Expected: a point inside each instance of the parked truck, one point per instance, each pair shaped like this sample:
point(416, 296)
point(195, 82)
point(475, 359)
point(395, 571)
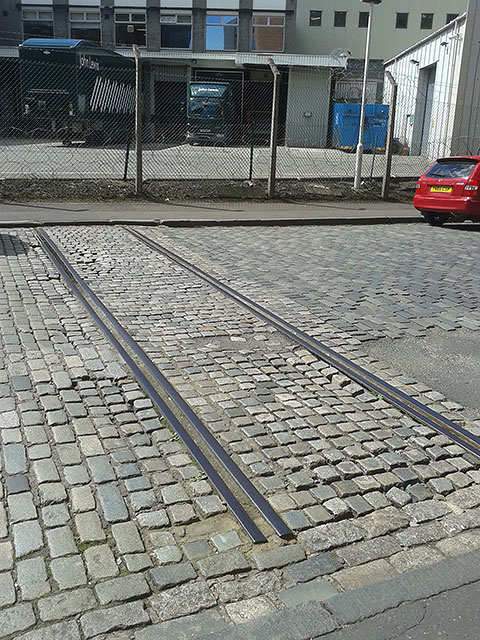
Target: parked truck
point(210, 113)
point(74, 90)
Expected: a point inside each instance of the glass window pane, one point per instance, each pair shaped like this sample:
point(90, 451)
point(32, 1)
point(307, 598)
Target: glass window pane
point(45, 15)
point(230, 19)
point(184, 19)
point(260, 20)
point(122, 17)
point(402, 21)
point(37, 30)
point(86, 33)
point(138, 17)
point(340, 19)
point(214, 19)
point(29, 15)
point(267, 39)
point(277, 21)
point(452, 169)
point(93, 15)
point(126, 35)
point(220, 38)
point(451, 16)
point(363, 19)
point(315, 18)
point(426, 21)
point(176, 36)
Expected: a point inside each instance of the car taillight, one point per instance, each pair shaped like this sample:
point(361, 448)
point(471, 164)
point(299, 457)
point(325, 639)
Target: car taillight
point(472, 185)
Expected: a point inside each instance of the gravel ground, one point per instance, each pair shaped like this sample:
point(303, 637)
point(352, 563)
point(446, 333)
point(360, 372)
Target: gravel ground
point(118, 190)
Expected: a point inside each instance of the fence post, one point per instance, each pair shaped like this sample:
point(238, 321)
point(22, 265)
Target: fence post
point(138, 121)
point(390, 132)
point(274, 128)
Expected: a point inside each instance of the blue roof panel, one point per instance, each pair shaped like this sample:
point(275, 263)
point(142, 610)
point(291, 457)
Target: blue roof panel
point(57, 43)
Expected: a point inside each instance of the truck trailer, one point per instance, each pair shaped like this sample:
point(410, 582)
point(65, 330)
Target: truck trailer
point(73, 90)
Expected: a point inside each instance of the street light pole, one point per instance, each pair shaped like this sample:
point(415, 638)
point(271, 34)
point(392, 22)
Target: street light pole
point(359, 156)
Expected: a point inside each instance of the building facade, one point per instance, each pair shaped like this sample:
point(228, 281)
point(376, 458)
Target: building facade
point(329, 26)
point(438, 79)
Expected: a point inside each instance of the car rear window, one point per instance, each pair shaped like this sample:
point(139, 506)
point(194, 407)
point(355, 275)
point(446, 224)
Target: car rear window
point(452, 169)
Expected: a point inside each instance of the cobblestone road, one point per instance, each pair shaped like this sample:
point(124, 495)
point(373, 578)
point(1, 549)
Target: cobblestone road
point(107, 527)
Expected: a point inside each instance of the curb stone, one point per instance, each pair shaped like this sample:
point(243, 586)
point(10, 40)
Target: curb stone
point(313, 619)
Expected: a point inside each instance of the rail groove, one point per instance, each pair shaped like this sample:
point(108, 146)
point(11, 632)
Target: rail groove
point(94, 306)
point(391, 394)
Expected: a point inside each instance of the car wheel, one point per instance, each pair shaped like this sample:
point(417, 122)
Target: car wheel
point(435, 219)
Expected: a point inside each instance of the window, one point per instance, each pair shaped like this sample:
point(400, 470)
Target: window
point(85, 25)
point(37, 23)
point(452, 169)
point(402, 21)
point(315, 18)
point(222, 32)
point(451, 16)
point(267, 32)
point(363, 19)
point(130, 28)
point(427, 21)
point(340, 19)
point(176, 30)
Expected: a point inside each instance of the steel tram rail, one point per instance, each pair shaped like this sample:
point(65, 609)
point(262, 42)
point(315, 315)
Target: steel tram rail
point(391, 394)
point(81, 290)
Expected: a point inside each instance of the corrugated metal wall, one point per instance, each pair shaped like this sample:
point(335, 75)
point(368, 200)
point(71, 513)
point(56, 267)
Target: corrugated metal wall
point(427, 77)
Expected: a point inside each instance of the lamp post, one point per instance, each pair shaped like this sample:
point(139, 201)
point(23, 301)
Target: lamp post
point(359, 156)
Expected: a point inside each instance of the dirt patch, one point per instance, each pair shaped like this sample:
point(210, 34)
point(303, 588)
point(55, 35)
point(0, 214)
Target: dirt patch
point(20, 190)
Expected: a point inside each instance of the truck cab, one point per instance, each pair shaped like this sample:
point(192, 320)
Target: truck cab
point(209, 114)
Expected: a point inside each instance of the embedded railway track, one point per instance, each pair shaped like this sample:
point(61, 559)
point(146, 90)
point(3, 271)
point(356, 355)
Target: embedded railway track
point(389, 393)
point(151, 379)
point(190, 427)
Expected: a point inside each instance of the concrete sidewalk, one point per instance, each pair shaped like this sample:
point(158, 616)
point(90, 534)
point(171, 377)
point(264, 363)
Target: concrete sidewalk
point(206, 213)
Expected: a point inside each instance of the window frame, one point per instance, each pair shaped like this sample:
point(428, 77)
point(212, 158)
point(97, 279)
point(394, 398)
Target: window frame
point(175, 14)
point(268, 16)
point(397, 19)
point(336, 15)
point(130, 22)
point(222, 15)
point(423, 16)
point(36, 20)
point(319, 18)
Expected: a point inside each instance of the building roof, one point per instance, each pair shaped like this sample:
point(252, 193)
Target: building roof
point(239, 58)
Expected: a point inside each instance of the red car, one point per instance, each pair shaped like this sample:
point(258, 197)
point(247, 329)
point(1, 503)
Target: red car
point(450, 190)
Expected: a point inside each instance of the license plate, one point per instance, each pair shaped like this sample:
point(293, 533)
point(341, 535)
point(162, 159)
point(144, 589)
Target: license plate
point(441, 189)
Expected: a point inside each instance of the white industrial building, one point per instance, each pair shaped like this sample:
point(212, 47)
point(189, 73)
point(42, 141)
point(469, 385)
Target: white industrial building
point(439, 89)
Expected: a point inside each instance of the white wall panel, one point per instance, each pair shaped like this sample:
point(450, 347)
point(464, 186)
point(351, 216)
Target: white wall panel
point(269, 5)
point(133, 4)
point(84, 3)
point(231, 5)
point(176, 4)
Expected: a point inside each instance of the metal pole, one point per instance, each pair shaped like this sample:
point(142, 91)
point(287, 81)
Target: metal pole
point(390, 132)
point(138, 122)
point(250, 173)
point(359, 157)
point(274, 128)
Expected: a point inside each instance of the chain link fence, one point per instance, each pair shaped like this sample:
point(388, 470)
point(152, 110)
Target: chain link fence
point(76, 120)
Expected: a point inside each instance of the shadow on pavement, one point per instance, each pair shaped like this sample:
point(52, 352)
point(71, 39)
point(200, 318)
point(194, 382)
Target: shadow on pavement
point(11, 245)
point(475, 227)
